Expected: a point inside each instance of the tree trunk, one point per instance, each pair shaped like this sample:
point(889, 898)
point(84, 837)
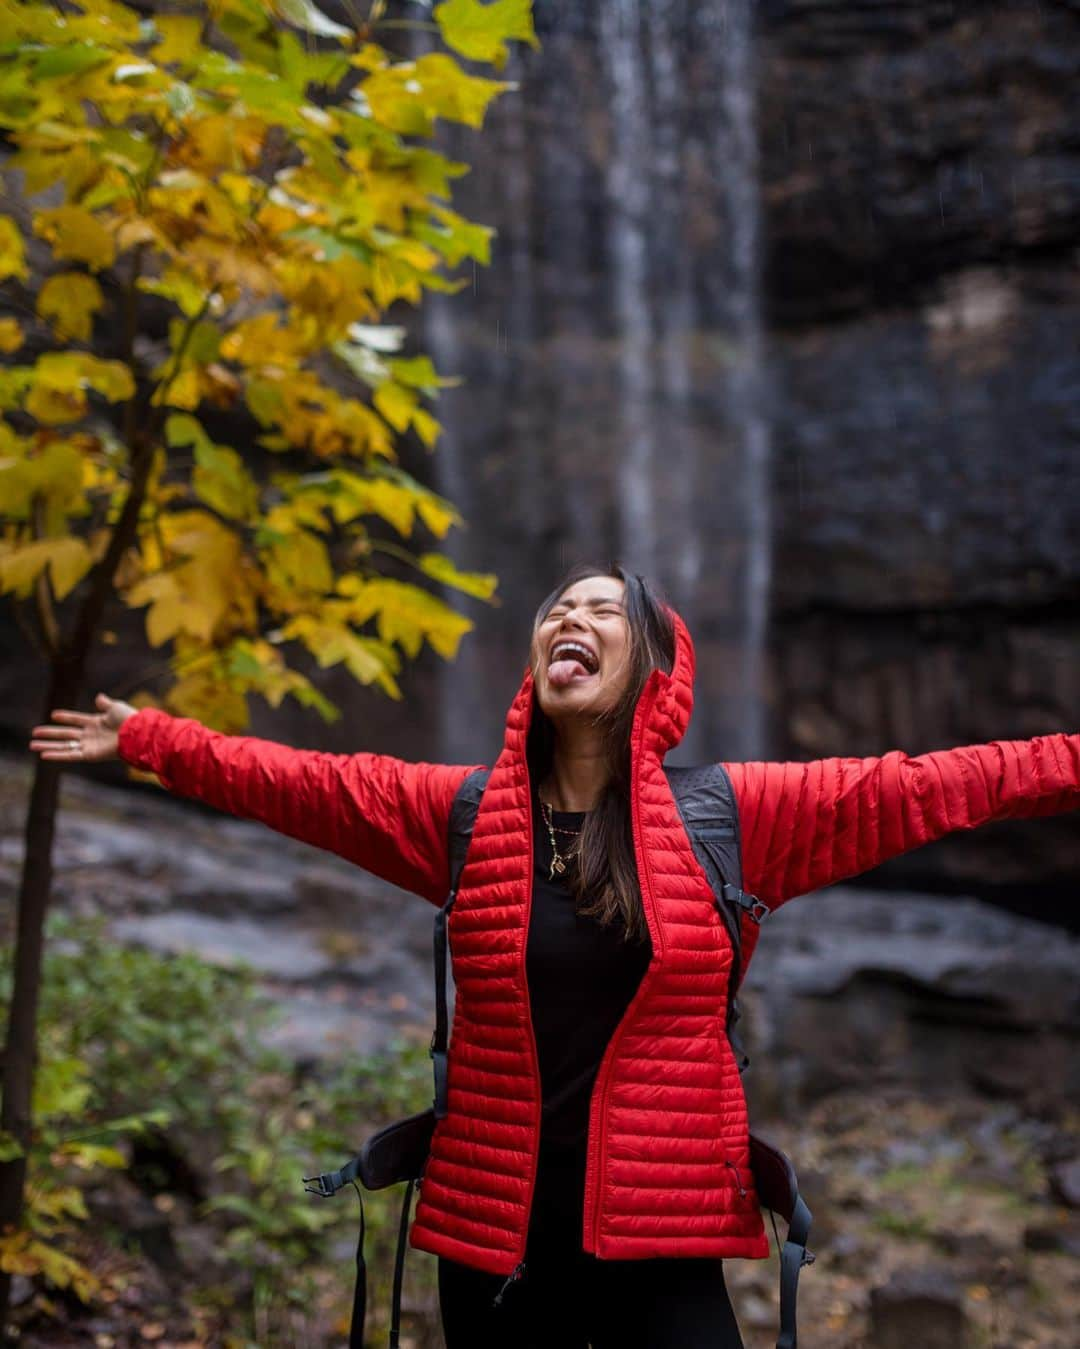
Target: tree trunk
point(20, 1050)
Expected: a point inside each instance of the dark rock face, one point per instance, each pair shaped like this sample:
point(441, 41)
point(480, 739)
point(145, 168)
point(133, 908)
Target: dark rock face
point(849, 989)
point(921, 179)
point(906, 142)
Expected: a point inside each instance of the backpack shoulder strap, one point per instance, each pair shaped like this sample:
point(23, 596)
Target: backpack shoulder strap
point(463, 810)
point(706, 802)
point(705, 798)
point(462, 818)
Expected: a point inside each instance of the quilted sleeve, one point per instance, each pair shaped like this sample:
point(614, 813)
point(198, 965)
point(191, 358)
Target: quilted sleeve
point(808, 825)
point(388, 816)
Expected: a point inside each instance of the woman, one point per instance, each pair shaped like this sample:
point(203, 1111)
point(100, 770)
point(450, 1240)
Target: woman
point(592, 1171)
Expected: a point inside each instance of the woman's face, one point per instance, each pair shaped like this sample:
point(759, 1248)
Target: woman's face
point(593, 677)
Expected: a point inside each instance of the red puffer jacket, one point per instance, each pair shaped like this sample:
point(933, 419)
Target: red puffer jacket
point(668, 1170)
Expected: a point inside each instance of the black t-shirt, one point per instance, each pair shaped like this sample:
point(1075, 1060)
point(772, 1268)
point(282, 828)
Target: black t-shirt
point(582, 976)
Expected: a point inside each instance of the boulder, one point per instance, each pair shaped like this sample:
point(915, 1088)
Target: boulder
point(923, 1307)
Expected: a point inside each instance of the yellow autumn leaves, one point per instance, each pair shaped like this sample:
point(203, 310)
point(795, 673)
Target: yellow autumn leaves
point(233, 206)
point(69, 301)
point(76, 235)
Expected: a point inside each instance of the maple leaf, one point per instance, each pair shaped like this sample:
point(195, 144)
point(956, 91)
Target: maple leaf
point(480, 30)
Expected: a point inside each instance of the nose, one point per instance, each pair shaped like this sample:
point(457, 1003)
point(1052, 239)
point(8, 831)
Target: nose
point(572, 618)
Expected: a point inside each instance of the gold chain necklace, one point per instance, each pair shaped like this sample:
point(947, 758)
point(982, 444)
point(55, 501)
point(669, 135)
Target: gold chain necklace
point(558, 860)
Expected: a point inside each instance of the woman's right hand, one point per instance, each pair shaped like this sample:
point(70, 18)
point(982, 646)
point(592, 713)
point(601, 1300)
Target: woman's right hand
point(83, 737)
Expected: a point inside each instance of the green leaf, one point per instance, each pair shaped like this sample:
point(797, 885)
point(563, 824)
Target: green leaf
point(202, 344)
point(479, 31)
point(419, 373)
point(182, 429)
point(441, 568)
point(454, 237)
point(409, 96)
point(71, 59)
point(87, 1155)
point(300, 67)
point(223, 482)
point(332, 246)
point(60, 1088)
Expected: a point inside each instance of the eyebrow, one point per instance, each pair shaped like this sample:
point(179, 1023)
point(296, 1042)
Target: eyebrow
point(590, 603)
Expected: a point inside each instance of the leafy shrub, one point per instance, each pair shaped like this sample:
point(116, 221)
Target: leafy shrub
point(69, 1139)
point(175, 1049)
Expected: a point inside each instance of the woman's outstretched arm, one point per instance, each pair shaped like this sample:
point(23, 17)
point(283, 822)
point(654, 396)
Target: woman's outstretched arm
point(387, 815)
point(383, 813)
point(808, 825)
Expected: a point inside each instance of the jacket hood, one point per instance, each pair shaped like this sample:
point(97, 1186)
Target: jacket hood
point(663, 708)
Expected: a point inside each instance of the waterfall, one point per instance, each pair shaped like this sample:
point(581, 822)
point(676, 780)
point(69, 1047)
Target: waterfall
point(674, 507)
point(675, 287)
point(738, 172)
point(630, 206)
point(652, 285)
point(614, 352)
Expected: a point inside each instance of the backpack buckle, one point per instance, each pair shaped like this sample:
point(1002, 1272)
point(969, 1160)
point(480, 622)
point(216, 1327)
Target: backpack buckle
point(750, 904)
point(324, 1186)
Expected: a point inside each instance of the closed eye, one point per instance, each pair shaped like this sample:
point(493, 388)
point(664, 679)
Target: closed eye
point(606, 612)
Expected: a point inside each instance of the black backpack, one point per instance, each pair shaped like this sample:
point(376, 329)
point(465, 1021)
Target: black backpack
point(399, 1152)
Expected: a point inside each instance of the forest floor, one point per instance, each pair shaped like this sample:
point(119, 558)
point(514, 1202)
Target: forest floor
point(935, 1224)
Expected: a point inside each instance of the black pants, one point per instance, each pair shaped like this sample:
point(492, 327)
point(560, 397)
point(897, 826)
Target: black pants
point(568, 1299)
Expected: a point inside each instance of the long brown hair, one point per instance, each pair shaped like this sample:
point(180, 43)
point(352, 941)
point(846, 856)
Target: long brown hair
point(603, 874)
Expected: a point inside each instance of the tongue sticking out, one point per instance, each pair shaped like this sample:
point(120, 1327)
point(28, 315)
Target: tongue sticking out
point(563, 672)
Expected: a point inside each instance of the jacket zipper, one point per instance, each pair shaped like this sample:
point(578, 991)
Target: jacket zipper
point(601, 1128)
point(515, 1274)
point(519, 1268)
point(738, 1178)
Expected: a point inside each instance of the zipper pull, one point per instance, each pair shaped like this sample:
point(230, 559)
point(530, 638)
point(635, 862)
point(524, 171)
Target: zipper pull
point(738, 1178)
point(515, 1274)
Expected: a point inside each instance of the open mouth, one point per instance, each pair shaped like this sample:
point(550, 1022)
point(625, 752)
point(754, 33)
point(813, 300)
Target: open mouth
point(571, 660)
